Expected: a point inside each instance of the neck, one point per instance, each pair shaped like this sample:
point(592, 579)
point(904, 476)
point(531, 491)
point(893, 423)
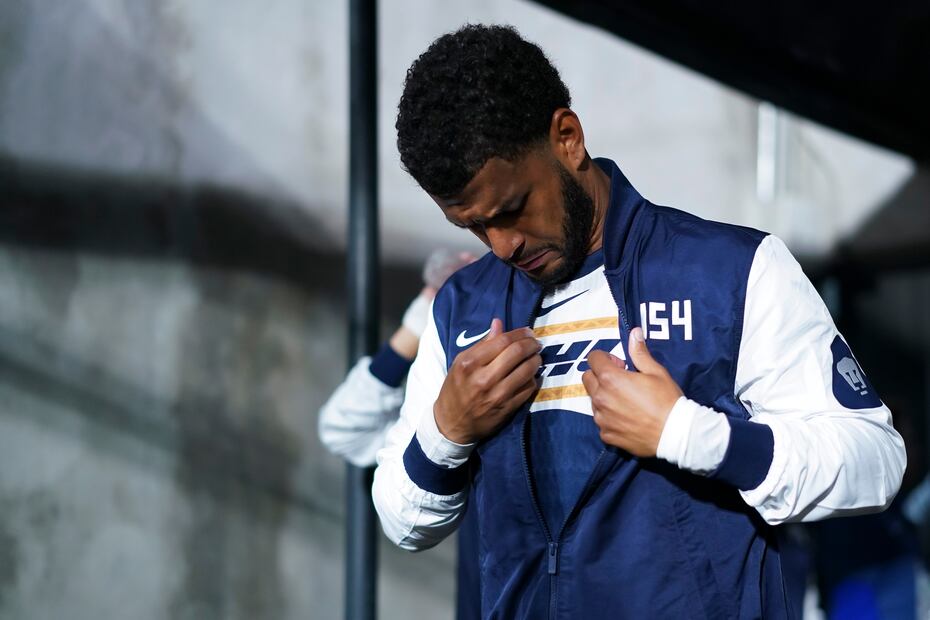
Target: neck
point(597, 184)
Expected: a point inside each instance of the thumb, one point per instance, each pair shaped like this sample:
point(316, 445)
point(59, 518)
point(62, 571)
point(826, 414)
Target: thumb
point(497, 328)
point(640, 354)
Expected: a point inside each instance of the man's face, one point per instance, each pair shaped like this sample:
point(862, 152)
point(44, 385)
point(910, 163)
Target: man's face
point(530, 212)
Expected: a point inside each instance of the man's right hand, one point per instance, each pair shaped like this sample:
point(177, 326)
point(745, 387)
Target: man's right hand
point(487, 384)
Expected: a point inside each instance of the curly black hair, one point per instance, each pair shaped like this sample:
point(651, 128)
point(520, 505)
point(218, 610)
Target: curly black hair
point(476, 93)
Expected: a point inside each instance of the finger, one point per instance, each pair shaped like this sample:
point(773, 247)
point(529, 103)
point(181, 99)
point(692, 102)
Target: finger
point(516, 400)
point(513, 355)
point(591, 384)
point(640, 355)
point(517, 379)
point(523, 394)
point(495, 342)
point(602, 364)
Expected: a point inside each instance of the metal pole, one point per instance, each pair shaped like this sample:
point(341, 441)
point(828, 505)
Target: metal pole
point(364, 298)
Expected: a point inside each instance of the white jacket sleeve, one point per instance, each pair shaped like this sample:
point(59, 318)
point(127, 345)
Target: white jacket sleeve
point(830, 458)
point(419, 487)
point(354, 421)
point(819, 443)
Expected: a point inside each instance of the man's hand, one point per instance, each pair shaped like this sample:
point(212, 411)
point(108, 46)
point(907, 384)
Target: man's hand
point(629, 407)
point(487, 384)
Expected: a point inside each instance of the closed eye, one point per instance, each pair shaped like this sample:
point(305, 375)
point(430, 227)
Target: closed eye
point(510, 211)
point(513, 209)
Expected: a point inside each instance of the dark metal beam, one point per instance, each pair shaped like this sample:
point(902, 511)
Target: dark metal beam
point(364, 297)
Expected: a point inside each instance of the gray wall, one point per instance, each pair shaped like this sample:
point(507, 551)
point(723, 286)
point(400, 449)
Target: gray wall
point(171, 319)
point(158, 452)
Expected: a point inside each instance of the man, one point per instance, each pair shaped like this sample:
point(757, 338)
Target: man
point(610, 478)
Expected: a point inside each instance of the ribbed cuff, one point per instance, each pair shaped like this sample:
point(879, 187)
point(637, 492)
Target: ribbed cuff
point(434, 463)
point(749, 455)
point(388, 366)
point(431, 476)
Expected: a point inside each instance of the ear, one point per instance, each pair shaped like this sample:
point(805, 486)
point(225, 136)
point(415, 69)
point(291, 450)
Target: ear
point(566, 137)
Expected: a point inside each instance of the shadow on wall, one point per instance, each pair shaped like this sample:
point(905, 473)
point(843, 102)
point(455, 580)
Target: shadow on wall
point(254, 354)
point(61, 209)
point(207, 228)
point(895, 238)
point(64, 210)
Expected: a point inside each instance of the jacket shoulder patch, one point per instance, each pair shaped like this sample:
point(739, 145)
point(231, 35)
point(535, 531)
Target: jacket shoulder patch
point(851, 386)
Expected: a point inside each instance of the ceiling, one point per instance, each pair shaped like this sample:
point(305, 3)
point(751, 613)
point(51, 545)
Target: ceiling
point(861, 68)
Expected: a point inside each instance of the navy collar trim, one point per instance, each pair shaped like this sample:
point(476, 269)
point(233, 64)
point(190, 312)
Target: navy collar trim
point(622, 208)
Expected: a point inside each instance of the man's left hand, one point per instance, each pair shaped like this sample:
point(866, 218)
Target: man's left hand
point(630, 407)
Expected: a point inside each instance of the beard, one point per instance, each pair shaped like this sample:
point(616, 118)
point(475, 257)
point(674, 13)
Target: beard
point(577, 221)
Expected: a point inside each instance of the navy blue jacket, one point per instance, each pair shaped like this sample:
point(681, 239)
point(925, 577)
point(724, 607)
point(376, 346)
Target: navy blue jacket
point(645, 539)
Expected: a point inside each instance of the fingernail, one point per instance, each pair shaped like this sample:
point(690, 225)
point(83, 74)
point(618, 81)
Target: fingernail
point(638, 334)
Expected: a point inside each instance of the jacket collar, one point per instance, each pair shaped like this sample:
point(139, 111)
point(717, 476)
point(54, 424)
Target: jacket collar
point(622, 207)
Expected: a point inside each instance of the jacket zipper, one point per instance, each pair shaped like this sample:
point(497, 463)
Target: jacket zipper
point(552, 546)
point(624, 324)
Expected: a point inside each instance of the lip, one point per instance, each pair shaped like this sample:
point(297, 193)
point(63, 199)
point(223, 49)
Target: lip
point(535, 262)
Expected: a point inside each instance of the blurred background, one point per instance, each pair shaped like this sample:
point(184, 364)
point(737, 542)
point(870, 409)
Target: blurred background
point(173, 207)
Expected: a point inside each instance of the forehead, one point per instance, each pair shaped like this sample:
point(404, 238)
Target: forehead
point(495, 183)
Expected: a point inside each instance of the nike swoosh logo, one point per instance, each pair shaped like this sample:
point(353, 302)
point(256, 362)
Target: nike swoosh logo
point(544, 311)
point(463, 341)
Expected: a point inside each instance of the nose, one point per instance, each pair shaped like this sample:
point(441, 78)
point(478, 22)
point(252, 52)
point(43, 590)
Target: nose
point(504, 242)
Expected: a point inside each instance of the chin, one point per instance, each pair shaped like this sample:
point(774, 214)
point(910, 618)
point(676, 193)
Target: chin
point(553, 274)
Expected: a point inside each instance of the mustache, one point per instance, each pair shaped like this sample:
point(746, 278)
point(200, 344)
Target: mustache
point(524, 254)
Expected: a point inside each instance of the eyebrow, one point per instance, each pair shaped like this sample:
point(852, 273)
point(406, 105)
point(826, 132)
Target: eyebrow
point(476, 221)
point(479, 221)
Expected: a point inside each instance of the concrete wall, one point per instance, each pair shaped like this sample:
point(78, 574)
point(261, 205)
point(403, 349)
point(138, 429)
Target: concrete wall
point(171, 318)
point(158, 450)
